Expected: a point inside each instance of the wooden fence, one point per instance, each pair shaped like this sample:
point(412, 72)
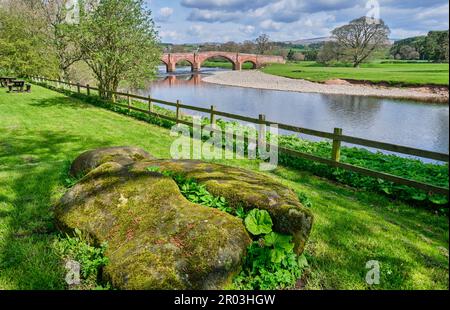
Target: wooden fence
point(336, 136)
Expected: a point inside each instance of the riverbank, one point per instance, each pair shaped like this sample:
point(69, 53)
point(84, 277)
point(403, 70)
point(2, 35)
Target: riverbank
point(260, 80)
point(43, 131)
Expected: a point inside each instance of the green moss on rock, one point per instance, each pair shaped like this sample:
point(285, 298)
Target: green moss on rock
point(93, 159)
point(247, 189)
point(156, 238)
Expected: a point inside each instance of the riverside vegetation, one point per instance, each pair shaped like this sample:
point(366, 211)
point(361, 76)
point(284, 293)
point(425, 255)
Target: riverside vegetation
point(436, 174)
point(270, 262)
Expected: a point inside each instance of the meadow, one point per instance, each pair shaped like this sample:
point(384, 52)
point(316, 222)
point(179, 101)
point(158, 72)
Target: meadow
point(42, 132)
point(395, 73)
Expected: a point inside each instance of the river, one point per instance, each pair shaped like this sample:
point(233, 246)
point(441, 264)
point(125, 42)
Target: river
point(414, 124)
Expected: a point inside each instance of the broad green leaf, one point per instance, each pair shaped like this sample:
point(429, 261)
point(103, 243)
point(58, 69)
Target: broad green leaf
point(258, 222)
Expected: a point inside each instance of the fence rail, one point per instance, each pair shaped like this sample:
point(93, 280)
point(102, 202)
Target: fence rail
point(337, 136)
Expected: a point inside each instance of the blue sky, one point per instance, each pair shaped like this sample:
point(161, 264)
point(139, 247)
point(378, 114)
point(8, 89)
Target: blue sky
point(194, 21)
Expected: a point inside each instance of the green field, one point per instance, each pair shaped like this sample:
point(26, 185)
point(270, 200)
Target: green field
point(225, 65)
point(395, 73)
point(43, 131)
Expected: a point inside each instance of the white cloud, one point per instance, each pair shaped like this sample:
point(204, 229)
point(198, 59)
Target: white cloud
point(289, 20)
point(164, 14)
point(270, 25)
point(247, 29)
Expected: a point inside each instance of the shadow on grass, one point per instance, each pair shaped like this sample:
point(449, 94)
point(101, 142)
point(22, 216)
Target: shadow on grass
point(59, 101)
point(27, 256)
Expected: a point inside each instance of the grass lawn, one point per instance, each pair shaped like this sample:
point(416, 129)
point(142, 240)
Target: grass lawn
point(392, 73)
point(41, 132)
point(225, 65)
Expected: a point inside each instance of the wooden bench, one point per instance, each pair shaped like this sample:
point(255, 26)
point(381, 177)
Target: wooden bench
point(5, 81)
point(17, 86)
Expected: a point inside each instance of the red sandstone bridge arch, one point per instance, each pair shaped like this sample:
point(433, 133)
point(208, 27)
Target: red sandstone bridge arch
point(197, 59)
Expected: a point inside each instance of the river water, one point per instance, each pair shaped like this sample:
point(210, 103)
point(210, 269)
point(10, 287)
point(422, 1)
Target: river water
point(415, 124)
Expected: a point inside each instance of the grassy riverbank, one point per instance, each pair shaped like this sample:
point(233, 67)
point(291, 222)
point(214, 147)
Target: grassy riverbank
point(43, 131)
point(395, 73)
point(225, 65)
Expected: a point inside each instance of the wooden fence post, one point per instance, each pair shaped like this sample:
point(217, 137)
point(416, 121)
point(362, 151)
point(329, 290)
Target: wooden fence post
point(113, 97)
point(79, 88)
point(262, 131)
point(150, 104)
point(129, 101)
point(88, 90)
point(212, 119)
point(178, 111)
point(336, 152)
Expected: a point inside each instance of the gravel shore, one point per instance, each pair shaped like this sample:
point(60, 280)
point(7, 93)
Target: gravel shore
point(260, 80)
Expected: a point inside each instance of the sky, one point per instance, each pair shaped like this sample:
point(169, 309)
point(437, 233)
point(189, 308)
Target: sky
point(197, 21)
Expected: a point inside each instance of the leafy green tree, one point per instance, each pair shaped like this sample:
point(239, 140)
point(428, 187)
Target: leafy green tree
point(119, 42)
point(436, 46)
point(290, 55)
point(23, 50)
point(417, 43)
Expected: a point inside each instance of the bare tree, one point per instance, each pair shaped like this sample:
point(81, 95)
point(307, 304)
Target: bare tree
point(263, 44)
point(57, 13)
point(361, 38)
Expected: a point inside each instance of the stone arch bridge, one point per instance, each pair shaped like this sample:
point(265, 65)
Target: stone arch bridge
point(197, 59)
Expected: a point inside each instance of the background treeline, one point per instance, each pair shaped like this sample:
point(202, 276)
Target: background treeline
point(433, 47)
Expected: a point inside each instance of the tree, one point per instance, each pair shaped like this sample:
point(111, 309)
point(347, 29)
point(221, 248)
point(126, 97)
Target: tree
point(330, 52)
point(248, 47)
point(407, 52)
point(57, 15)
point(417, 43)
point(436, 46)
point(361, 38)
point(311, 55)
point(290, 55)
point(263, 44)
point(230, 47)
point(23, 48)
point(118, 42)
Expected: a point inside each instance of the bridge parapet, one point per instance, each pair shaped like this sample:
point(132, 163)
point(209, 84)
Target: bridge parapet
point(237, 59)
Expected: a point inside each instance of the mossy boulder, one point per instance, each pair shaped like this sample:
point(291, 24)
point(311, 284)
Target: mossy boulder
point(93, 159)
point(249, 190)
point(156, 238)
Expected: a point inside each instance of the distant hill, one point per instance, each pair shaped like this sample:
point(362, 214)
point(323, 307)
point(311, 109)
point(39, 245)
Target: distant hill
point(311, 41)
point(307, 42)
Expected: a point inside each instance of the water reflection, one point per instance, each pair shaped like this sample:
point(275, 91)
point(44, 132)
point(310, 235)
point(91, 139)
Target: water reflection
point(420, 125)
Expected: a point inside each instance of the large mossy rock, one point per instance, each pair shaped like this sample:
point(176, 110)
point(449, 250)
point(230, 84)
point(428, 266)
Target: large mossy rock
point(92, 159)
point(247, 189)
point(156, 238)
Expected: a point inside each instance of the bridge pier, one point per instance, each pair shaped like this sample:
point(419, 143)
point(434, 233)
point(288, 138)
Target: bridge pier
point(196, 67)
point(171, 67)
